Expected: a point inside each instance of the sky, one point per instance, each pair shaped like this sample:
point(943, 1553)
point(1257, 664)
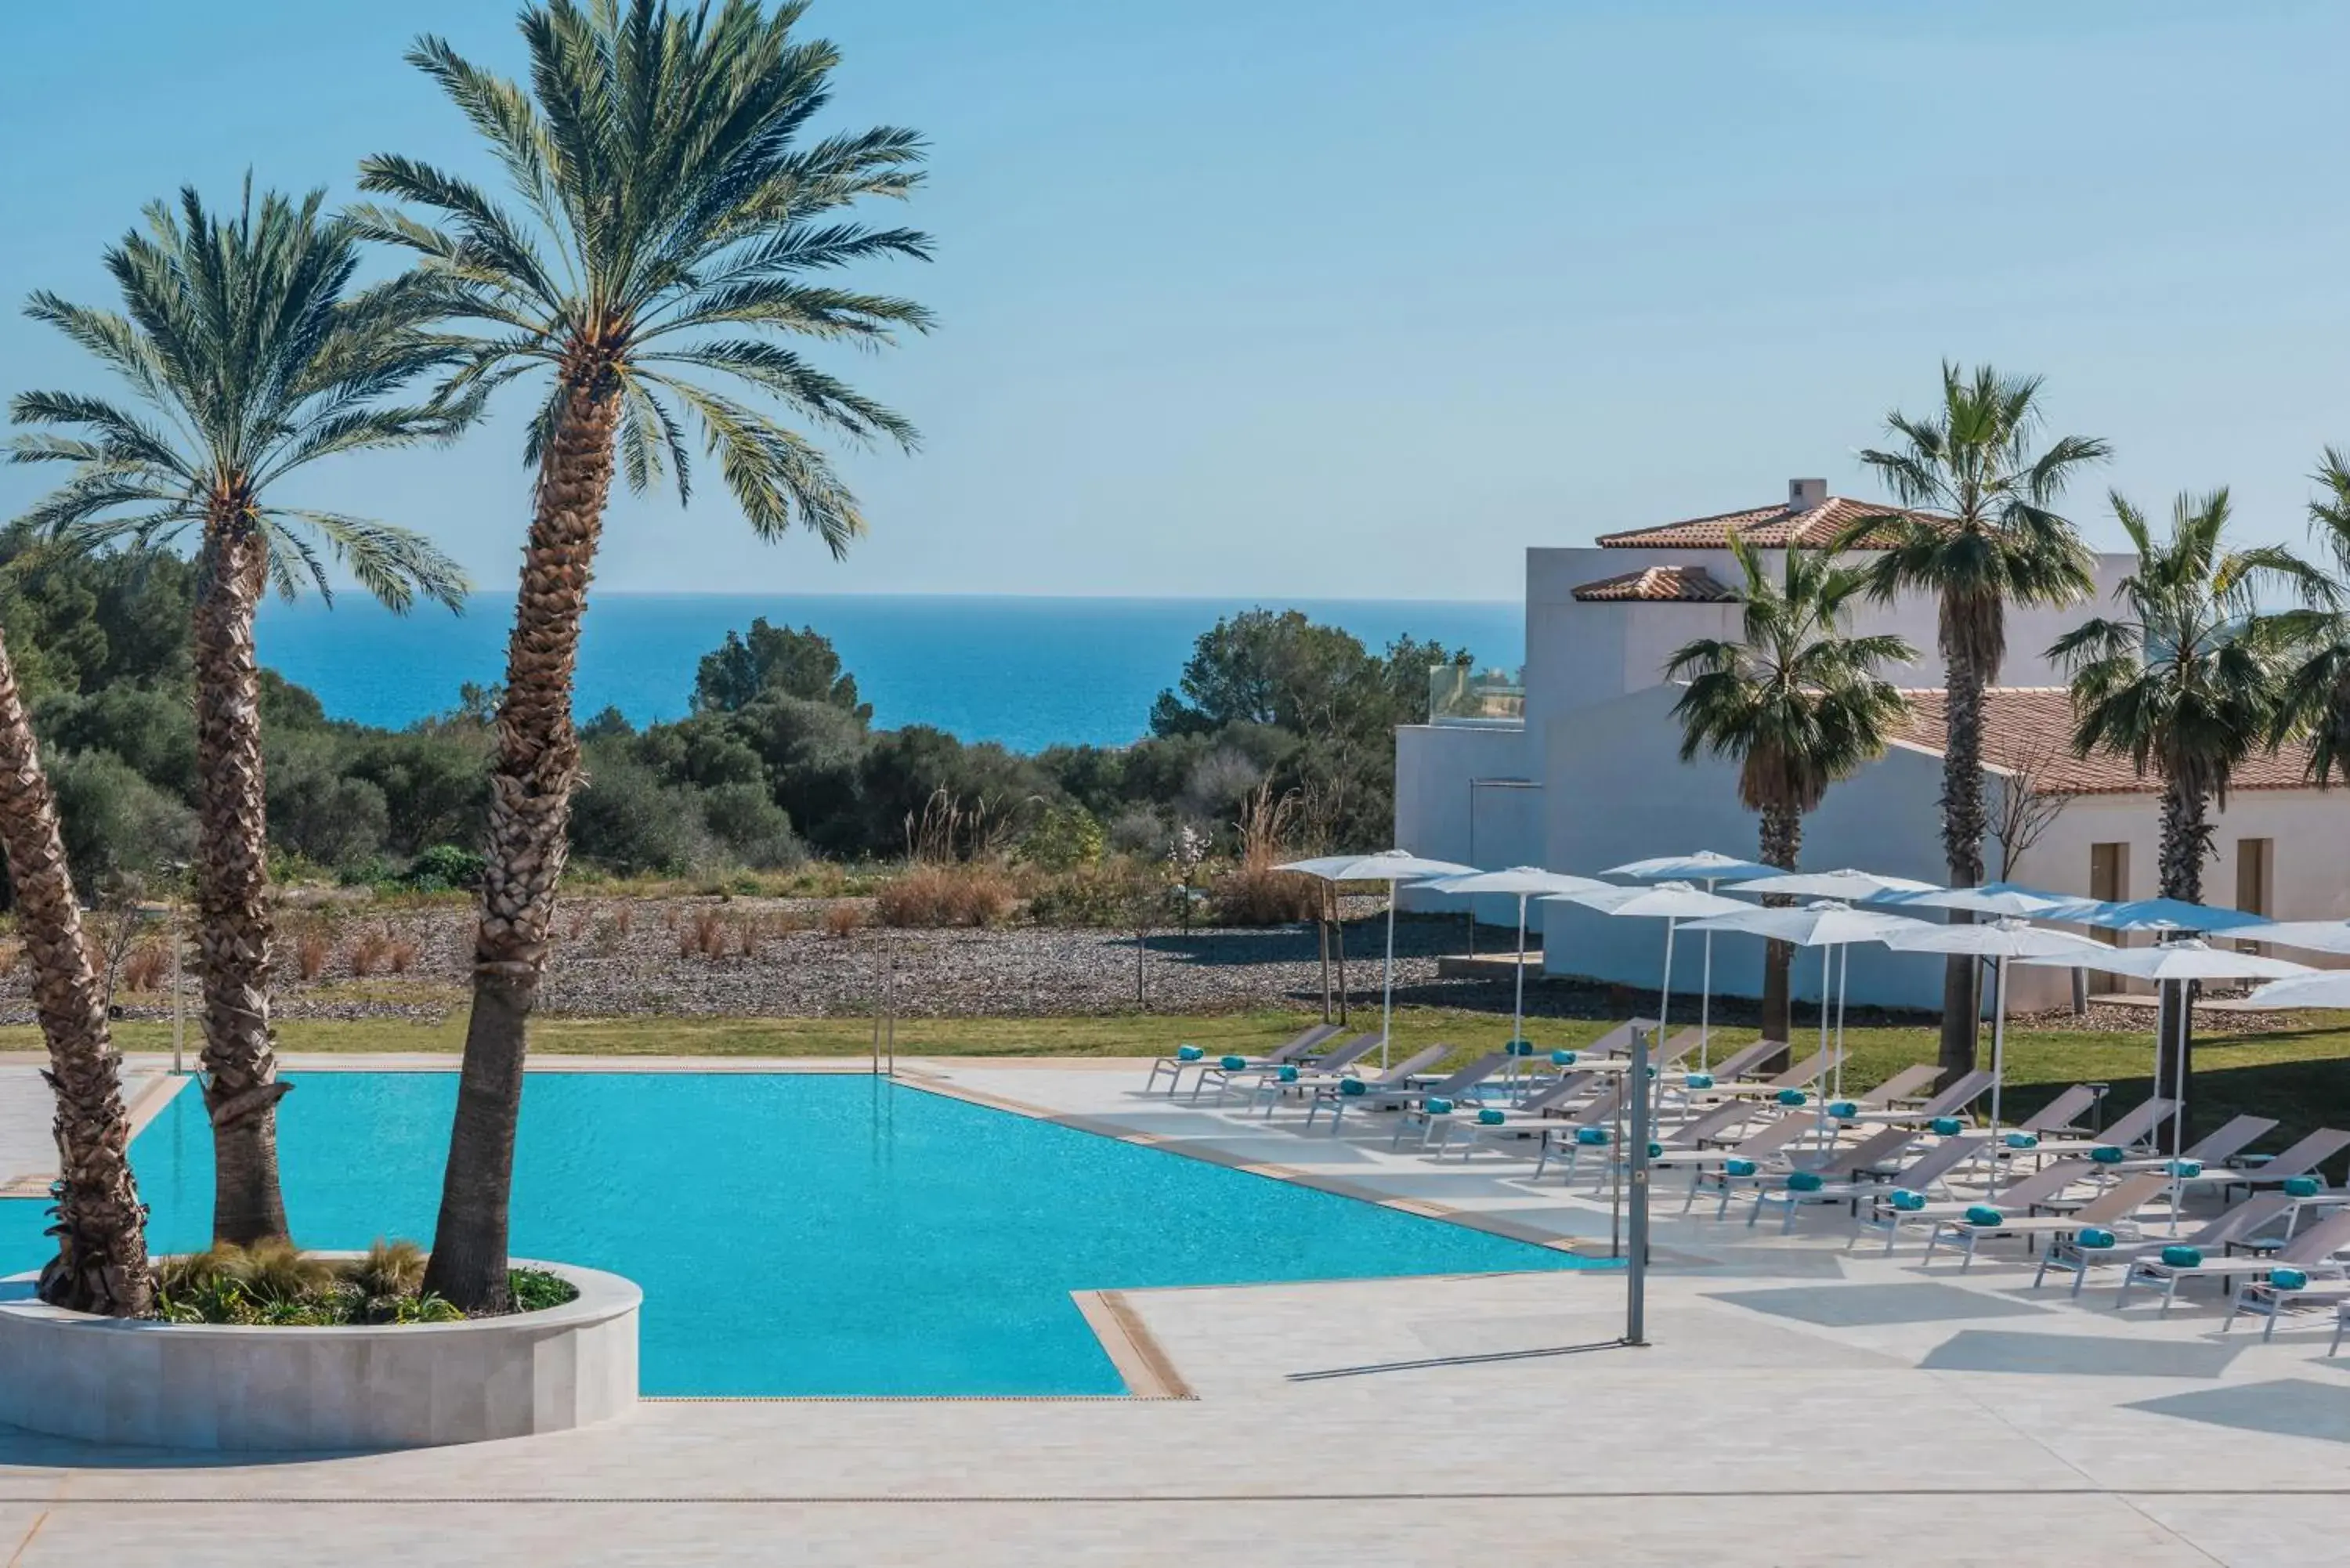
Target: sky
point(1360, 298)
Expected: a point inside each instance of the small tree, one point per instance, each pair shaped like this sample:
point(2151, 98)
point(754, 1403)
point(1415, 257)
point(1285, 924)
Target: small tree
point(2023, 804)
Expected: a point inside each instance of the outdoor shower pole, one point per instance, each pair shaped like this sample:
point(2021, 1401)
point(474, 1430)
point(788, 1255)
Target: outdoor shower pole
point(1635, 1152)
point(1386, 986)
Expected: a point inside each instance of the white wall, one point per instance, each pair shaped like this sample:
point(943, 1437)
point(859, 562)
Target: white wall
point(1453, 803)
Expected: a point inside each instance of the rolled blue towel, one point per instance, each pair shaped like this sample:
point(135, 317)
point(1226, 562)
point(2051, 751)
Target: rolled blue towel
point(1561, 1058)
point(1491, 1117)
point(1805, 1181)
point(1591, 1138)
point(1984, 1215)
point(1793, 1097)
point(1520, 1047)
point(1844, 1110)
point(1437, 1105)
point(2300, 1186)
point(2288, 1278)
point(1287, 1074)
point(1904, 1201)
point(1189, 1053)
point(1656, 1151)
point(1652, 1073)
point(1353, 1086)
point(1738, 1167)
point(1947, 1126)
point(2022, 1140)
point(1234, 1063)
point(2107, 1154)
point(1697, 1081)
point(2185, 1168)
point(2179, 1256)
point(2093, 1240)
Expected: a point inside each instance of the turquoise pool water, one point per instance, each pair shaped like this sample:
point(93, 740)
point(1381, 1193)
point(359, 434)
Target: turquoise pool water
point(808, 1233)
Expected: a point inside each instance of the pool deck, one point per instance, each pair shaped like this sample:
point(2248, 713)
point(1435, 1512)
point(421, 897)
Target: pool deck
point(1799, 1405)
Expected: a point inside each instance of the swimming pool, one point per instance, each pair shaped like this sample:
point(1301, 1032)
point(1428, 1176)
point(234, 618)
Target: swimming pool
point(806, 1233)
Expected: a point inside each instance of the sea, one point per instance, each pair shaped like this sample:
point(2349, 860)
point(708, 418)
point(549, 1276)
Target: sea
point(1029, 672)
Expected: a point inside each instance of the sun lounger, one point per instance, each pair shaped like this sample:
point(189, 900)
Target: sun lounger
point(2137, 1125)
point(1426, 1106)
point(1268, 1087)
point(2312, 1252)
point(2245, 1220)
point(1333, 1092)
point(2302, 1160)
point(2286, 1285)
point(1532, 1117)
point(1220, 1069)
point(1891, 1214)
point(1948, 1105)
point(1799, 1077)
point(1191, 1058)
point(2215, 1147)
point(1991, 1218)
point(1616, 1041)
point(1903, 1085)
point(1841, 1175)
point(2341, 1323)
point(1724, 1164)
point(1573, 1133)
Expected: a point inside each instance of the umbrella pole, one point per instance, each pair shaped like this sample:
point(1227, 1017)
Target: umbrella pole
point(1843, 989)
point(1704, 1007)
point(1828, 955)
point(1665, 997)
point(2179, 1098)
point(1386, 986)
point(1998, 1057)
point(1518, 1008)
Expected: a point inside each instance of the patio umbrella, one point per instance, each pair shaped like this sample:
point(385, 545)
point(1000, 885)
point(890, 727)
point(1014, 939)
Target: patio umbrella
point(2311, 936)
point(1706, 868)
point(2325, 987)
point(1391, 866)
point(2183, 960)
point(1851, 886)
point(1525, 882)
point(2008, 902)
point(1823, 924)
point(1671, 902)
point(2073, 905)
point(2165, 914)
point(2008, 938)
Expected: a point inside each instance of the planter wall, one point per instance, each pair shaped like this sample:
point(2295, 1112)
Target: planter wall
point(205, 1386)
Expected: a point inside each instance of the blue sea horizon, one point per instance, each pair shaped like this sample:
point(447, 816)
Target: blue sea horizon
point(1029, 672)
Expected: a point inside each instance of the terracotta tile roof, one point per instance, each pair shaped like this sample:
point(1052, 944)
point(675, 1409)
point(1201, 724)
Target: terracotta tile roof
point(1659, 584)
point(1769, 526)
point(2024, 725)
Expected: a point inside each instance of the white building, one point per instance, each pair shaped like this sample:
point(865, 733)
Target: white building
point(1591, 775)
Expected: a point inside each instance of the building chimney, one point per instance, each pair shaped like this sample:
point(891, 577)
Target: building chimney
point(1803, 494)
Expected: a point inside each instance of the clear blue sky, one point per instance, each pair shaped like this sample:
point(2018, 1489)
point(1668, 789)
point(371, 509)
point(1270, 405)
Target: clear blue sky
point(1359, 297)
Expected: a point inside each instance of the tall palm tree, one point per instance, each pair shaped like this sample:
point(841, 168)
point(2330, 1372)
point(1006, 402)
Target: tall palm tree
point(251, 356)
point(1980, 531)
point(101, 1227)
point(2317, 694)
point(2188, 684)
point(1796, 699)
point(668, 216)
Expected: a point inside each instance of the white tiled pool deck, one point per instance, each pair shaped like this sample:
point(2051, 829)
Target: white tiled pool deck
point(1799, 1406)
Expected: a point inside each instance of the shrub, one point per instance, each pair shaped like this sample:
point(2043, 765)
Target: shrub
point(624, 919)
point(273, 1283)
point(115, 821)
point(146, 966)
point(747, 823)
point(842, 917)
point(964, 894)
point(1092, 896)
point(1062, 838)
point(400, 955)
point(312, 949)
point(706, 936)
point(445, 867)
point(1257, 897)
point(368, 952)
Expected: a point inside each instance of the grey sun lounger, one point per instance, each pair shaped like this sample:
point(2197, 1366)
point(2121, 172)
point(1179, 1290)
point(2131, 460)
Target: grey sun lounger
point(2114, 1205)
point(1846, 1175)
point(1802, 1075)
point(1529, 1118)
point(1216, 1067)
point(2137, 1125)
point(1951, 1102)
point(2246, 1219)
point(2058, 1114)
point(1759, 1147)
point(1331, 1091)
point(1175, 1066)
point(2302, 1160)
point(1267, 1086)
point(1417, 1104)
point(2311, 1250)
point(2216, 1147)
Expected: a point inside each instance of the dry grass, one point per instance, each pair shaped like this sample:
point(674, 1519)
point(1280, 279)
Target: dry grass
point(312, 950)
point(146, 968)
point(705, 937)
point(974, 894)
point(843, 919)
point(400, 955)
point(624, 919)
point(1261, 897)
point(368, 952)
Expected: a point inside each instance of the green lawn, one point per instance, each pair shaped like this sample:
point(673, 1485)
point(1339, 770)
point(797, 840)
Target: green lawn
point(2300, 1078)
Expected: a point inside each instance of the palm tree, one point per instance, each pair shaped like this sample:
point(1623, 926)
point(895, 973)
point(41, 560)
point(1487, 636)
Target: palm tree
point(251, 356)
point(2317, 693)
point(2188, 685)
point(1796, 699)
point(1980, 531)
point(667, 217)
point(101, 1227)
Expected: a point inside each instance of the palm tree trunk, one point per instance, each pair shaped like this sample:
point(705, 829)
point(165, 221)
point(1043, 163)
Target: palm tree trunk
point(101, 1227)
point(2186, 844)
point(536, 768)
point(1781, 841)
point(233, 932)
point(1965, 821)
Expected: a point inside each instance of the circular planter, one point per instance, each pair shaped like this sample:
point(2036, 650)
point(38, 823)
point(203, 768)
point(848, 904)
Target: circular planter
point(228, 1386)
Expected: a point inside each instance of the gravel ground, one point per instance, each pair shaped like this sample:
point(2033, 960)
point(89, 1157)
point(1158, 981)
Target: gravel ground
point(646, 956)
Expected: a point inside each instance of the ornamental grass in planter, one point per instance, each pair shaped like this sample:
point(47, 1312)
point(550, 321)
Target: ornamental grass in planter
point(273, 1284)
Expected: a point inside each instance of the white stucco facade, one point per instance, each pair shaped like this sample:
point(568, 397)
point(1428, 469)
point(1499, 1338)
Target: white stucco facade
point(1593, 778)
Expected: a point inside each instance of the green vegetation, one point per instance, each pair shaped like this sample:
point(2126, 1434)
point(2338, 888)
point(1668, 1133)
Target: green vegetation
point(273, 1284)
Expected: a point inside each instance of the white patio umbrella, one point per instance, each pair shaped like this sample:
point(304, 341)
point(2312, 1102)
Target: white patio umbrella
point(2008, 938)
point(1852, 887)
point(2325, 987)
point(2183, 960)
point(1705, 868)
point(1391, 866)
point(2000, 902)
point(1671, 902)
point(2165, 914)
point(1823, 924)
point(2073, 906)
point(1524, 882)
point(2310, 936)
